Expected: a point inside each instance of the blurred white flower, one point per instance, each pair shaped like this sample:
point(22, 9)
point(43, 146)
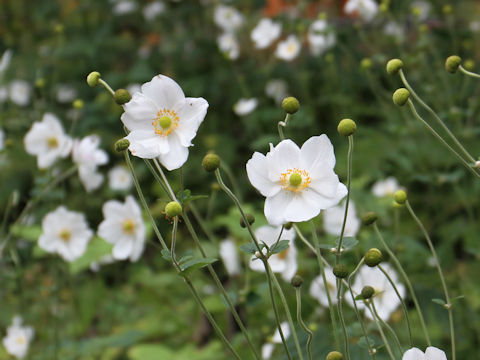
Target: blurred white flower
point(277, 89)
point(288, 49)
point(229, 255)
point(244, 107)
point(5, 60)
point(432, 353)
point(385, 187)
point(66, 233)
point(365, 9)
point(47, 140)
point(228, 45)
point(153, 9)
point(88, 157)
point(163, 122)
point(18, 338)
point(66, 93)
point(227, 18)
point(119, 178)
point(104, 260)
point(394, 30)
point(3, 94)
point(333, 220)
point(386, 300)
point(2, 139)
point(267, 349)
point(297, 183)
point(319, 39)
point(124, 228)
point(265, 33)
point(284, 262)
point(134, 88)
point(317, 288)
point(421, 9)
point(475, 26)
point(123, 7)
point(20, 92)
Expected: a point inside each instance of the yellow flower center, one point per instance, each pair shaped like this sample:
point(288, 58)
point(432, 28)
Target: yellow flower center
point(128, 226)
point(65, 235)
point(52, 142)
point(165, 122)
point(291, 48)
point(295, 179)
point(283, 255)
point(20, 340)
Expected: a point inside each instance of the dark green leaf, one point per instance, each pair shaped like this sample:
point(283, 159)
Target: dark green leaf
point(439, 301)
point(250, 248)
point(166, 254)
point(194, 264)
point(281, 246)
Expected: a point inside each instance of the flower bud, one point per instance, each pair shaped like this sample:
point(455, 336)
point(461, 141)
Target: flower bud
point(173, 209)
point(366, 63)
point(289, 225)
point(369, 218)
point(340, 271)
point(477, 164)
point(452, 63)
point(469, 64)
point(447, 9)
point(373, 257)
point(290, 105)
point(211, 162)
point(297, 281)
point(367, 292)
point(400, 196)
point(40, 83)
point(346, 127)
point(78, 104)
point(334, 355)
point(250, 219)
point(92, 78)
point(121, 145)
point(258, 254)
point(400, 96)
point(394, 65)
point(122, 96)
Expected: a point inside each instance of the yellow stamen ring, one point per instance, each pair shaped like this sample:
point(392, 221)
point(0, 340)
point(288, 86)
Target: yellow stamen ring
point(295, 179)
point(165, 122)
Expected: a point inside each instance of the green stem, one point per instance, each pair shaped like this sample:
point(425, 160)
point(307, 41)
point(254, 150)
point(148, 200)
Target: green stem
point(106, 86)
point(302, 324)
point(389, 328)
point(382, 334)
point(282, 124)
point(165, 181)
point(342, 319)
point(468, 73)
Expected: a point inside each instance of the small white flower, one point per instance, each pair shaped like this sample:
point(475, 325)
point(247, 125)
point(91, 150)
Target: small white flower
point(297, 183)
point(66, 233)
point(365, 9)
point(288, 49)
point(66, 93)
point(88, 157)
point(123, 7)
point(385, 187)
point(119, 178)
point(3, 94)
point(18, 338)
point(277, 89)
point(124, 228)
point(163, 122)
point(386, 300)
point(267, 349)
point(265, 33)
point(2, 139)
point(5, 60)
point(474, 26)
point(227, 18)
point(20, 92)
point(284, 262)
point(228, 44)
point(229, 255)
point(153, 9)
point(432, 353)
point(421, 9)
point(317, 289)
point(333, 220)
point(319, 39)
point(394, 30)
point(134, 88)
point(243, 107)
point(47, 140)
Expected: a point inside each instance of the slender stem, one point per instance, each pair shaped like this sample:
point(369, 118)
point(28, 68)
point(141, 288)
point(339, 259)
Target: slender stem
point(342, 319)
point(448, 305)
point(106, 86)
point(203, 224)
point(379, 327)
point(389, 328)
point(165, 181)
point(174, 239)
point(281, 124)
point(302, 324)
point(232, 179)
point(469, 73)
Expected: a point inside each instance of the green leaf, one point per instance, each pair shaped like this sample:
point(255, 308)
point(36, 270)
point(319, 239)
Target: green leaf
point(325, 246)
point(362, 342)
point(359, 297)
point(186, 196)
point(96, 250)
point(166, 254)
point(282, 245)
point(250, 248)
point(452, 300)
point(439, 302)
point(30, 233)
point(194, 264)
point(348, 243)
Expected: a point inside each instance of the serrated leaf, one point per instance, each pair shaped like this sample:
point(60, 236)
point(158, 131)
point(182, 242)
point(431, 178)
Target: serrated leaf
point(250, 248)
point(347, 243)
point(166, 254)
point(282, 245)
point(325, 246)
point(439, 302)
point(186, 196)
point(185, 258)
point(362, 342)
point(194, 264)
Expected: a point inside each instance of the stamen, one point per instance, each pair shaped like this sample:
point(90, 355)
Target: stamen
point(165, 122)
point(65, 235)
point(295, 179)
point(128, 226)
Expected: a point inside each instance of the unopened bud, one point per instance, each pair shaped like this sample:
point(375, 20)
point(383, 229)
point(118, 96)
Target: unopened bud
point(93, 78)
point(373, 257)
point(78, 104)
point(366, 63)
point(394, 65)
point(367, 292)
point(122, 96)
point(340, 271)
point(369, 218)
point(400, 96)
point(122, 145)
point(334, 355)
point(250, 219)
point(452, 63)
point(400, 196)
point(297, 281)
point(211, 162)
point(290, 105)
point(346, 127)
point(173, 209)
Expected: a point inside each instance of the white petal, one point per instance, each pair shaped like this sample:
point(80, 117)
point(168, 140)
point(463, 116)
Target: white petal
point(140, 113)
point(275, 207)
point(257, 171)
point(433, 353)
point(317, 149)
point(301, 208)
point(413, 354)
point(122, 249)
point(191, 114)
point(286, 155)
point(165, 92)
point(177, 156)
point(147, 144)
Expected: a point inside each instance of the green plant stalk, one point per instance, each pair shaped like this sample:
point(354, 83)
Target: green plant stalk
point(106, 86)
point(342, 319)
point(389, 328)
point(302, 324)
point(448, 305)
point(382, 334)
point(282, 124)
point(468, 73)
point(203, 224)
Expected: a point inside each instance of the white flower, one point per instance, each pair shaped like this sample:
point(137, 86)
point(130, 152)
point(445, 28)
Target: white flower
point(432, 353)
point(227, 18)
point(265, 33)
point(2, 139)
point(421, 9)
point(66, 93)
point(244, 107)
point(153, 9)
point(385, 187)
point(119, 178)
point(297, 183)
point(5, 60)
point(317, 289)
point(288, 49)
point(319, 38)
point(124, 228)
point(277, 89)
point(386, 300)
point(267, 349)
point(19, 92)
point(104, 260)
point(475, 26)
point(66, 233)
point(88, 156)
point(123, 7)
point(333, 220)
point(3, 94)
point(366, 9)
point(228, 44)
point(284, 262)
point(134, 88)
point(18, 338)
point(163, 122)
point(229, 255)
point(47, 140)
point(395, 30)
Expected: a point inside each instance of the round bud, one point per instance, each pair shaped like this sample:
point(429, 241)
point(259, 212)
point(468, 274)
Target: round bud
point(258, 255)
point(122, 96)
point(469, 64)
point(211, 162)
point(452, 63)
point(400, 196)
point(334, 355)
point(367, 292)
point(290, 105)
point(296, 281)
point(121, 145)
point(394, 65)
point(340, 271)
point(40, 83)
point(400, 96)
point(366, 63)
point(383, 7)
point(250, 219)
point(78, 104)
point(173, 209)
point(346, 127)
point(288, 226)
point(373, 257)
point(92, 78)
point(369, 218)
point(447, 9)
point(477, 164)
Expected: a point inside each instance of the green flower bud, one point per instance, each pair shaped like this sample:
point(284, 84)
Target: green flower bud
point(447, 9)
point(394, 65)
point(469, 64)
point(346, 127)
point(452, 63)
point(122, 96)
point(250, 219)
point(211, 162)
point(366, 63)
point(92, 78)
point(78, 104)
point(121, 145)
point(297, 281)
point(290, 105)
point(400, 96)
point(289, 225)
point(373, 257)
point(173, 209)
point(400, 196)
point(40, 83)
point(383, 7)
point(367, 292)
point(334, 355)
point(369, 218)
point(340, 271)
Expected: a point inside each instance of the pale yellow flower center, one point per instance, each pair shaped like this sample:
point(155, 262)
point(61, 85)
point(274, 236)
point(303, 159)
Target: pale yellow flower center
point(65, 235)
point(52, 142)
point(20, 340)
point(295, 179)
point(291, 48)
point(128, 226)
point(283, 255)
point(165, 122)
